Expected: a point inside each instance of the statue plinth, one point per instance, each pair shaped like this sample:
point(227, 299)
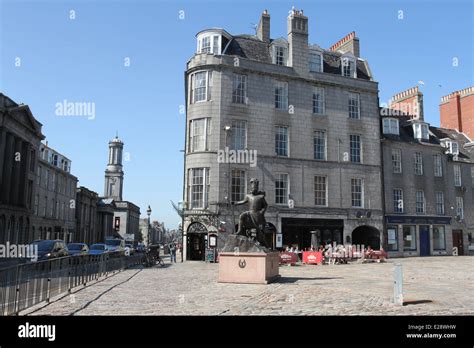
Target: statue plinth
point(245, 258)
point(248, 267)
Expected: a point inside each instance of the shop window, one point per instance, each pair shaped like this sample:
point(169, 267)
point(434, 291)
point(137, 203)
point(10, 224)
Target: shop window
point(392, 238)
point(439, 238)
point(409, 238)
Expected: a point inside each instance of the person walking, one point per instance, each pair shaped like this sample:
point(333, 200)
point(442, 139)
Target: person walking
point(172, 247)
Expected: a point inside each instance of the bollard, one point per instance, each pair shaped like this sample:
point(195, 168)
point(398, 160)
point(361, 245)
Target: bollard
point(398, 285)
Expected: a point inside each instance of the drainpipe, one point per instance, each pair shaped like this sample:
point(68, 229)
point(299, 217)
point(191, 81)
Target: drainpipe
point(382, 176)
point(184, 242)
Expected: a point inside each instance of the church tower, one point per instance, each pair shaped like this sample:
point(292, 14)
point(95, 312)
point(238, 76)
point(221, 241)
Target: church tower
point(114, 173)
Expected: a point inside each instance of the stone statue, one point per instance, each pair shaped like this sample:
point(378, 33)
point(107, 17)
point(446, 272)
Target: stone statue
point(252, 222)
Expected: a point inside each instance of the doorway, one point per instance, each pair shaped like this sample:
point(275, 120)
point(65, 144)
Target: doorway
point(196, 242)
point(424, 240)
point(458, 242)
point(196, 247)
point(366, 236)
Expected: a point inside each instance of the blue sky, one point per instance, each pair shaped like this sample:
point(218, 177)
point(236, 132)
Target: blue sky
point(82, 60)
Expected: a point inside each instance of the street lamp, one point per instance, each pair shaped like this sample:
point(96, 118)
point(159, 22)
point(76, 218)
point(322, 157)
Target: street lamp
point(228, 130)
point(148, 212)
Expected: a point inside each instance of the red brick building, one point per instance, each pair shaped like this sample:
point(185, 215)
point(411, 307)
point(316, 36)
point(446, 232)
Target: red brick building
point(457, 111)
point(409, 102)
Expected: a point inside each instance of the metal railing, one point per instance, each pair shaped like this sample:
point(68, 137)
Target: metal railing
point(25, 285)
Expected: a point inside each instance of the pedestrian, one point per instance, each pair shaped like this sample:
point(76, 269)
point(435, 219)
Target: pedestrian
point(172, 247)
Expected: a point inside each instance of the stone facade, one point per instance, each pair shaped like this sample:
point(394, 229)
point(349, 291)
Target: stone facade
point(252, 57)
point(20, 138)
point(55, 197)
point(105, 218)
point(435, 224)
point(86, 216)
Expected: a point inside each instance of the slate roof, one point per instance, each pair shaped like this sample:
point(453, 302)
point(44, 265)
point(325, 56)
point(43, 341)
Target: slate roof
point(250, 47)
point(436, 134)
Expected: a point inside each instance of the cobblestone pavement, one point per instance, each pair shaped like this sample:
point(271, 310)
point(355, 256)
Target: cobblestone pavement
point(432, 286)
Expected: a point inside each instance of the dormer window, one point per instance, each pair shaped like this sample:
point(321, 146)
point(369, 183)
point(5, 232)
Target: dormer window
point(315, 59)
point(209, 44)
point(211, 41)
point(421, 131)
point(390, 126)
point(280, 52)
point(280, 55)
point(453, 147)
point(55, 160)
point(348, 66)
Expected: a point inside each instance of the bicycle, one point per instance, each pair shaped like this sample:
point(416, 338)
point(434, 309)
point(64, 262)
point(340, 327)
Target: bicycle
point(152, 257)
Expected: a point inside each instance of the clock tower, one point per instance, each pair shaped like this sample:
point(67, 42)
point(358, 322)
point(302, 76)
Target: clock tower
point(114, 173)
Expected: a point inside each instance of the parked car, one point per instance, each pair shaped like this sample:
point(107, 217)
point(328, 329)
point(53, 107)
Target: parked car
point(50, 249)
point(97, 249)
point(115, 244)
point(78, 249)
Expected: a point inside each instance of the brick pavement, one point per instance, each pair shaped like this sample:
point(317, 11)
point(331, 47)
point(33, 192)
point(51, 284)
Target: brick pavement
point(191, 289)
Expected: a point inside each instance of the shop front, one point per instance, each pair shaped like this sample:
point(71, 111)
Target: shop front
point(307, 232)
point(418, 235)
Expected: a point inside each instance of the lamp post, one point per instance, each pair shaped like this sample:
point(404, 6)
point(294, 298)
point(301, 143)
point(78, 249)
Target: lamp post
point(183, 241)
point(228, 130)
point(148, 212)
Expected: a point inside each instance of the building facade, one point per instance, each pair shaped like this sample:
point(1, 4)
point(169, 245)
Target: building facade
point(55, 198)
point(86, 216)
point(301, 119)
point(20, 138)
point(457, 111)
point(105, 219)
point(428, 184)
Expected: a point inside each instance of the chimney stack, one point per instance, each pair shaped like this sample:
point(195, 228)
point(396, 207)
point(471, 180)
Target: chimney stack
point(263, 29)
point(349, 43)
point(409, 102)
point(457, 111)
point(298, 41)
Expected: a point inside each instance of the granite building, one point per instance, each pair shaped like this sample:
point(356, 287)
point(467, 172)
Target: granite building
point(302, 119)
point(86, 216)
point(54, 206)
point(20, 138)
point(428, 182)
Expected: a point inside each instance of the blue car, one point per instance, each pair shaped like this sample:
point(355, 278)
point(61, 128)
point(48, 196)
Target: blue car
point(97, 249)
point(78, 249)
